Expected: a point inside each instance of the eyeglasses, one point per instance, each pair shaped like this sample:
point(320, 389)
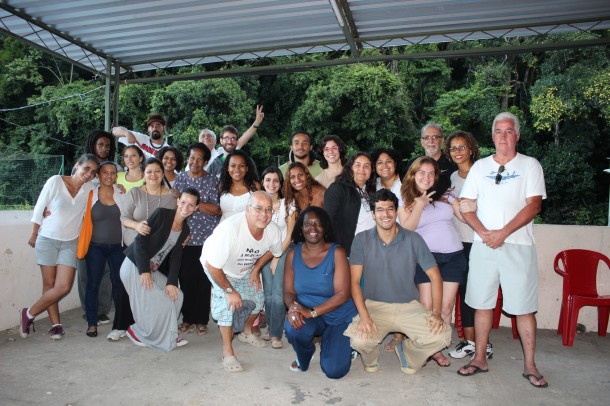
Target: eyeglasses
point(230, 139)
point(260, 210)
point(330, 149)
point(309, 224)
point(431, 137)
point(460, 148)
point(499, 175)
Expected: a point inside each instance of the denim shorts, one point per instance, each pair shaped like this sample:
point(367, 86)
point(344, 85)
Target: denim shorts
point(51, 252)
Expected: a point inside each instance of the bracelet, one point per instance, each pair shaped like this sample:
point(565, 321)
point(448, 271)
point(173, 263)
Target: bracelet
point(254, 125)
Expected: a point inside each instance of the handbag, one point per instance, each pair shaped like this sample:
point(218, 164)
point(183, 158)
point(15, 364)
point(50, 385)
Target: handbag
point(86, 231)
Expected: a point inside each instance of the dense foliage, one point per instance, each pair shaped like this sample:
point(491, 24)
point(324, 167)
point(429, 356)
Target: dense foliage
point(562, 97)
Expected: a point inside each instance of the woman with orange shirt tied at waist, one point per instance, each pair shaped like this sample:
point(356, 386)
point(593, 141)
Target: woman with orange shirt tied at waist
point(106, 244)
point(55, 239)
point(133, 157)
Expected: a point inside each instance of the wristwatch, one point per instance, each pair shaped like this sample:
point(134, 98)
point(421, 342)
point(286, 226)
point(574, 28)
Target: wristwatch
point(314, 313)
point(229, 290)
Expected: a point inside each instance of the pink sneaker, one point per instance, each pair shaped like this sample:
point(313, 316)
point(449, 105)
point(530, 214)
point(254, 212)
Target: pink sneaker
point(133, 338)
point(25, 323)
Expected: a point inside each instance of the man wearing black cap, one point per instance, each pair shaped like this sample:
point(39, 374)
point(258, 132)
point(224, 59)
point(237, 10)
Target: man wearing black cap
point(149, 144)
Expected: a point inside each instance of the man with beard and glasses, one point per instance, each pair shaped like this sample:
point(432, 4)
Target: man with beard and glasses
point(432, 140)
point(301, 146)
point(208, 137)
point(149, 144)
point(229, 141)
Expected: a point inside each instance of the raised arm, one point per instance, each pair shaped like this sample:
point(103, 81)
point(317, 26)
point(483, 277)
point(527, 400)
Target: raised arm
point(120, 132)
point(249, 133)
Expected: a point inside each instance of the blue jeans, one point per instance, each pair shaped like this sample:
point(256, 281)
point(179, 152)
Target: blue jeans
point(96, 259)
point(273, 287)
point(335, 353)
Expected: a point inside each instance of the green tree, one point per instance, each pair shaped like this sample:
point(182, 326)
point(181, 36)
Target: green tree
point(365, 105)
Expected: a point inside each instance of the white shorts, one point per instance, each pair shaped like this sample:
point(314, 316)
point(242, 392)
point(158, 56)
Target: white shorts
point(512, 266)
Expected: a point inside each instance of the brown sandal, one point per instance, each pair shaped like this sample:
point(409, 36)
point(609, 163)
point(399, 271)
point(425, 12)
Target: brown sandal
point(184, 327)
point(201, 329)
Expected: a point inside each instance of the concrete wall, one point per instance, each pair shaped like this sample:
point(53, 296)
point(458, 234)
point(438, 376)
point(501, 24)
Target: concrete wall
point(22, 283)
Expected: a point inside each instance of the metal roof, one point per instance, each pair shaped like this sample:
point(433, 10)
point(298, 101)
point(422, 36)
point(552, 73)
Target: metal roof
point(140, 35)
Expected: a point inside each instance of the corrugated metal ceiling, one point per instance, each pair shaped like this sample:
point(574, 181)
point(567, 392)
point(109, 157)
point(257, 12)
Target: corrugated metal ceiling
point(143, 35)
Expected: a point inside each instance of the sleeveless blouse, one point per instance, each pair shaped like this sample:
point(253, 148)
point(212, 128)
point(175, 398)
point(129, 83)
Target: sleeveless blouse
point(315, 285)
point(230, 204)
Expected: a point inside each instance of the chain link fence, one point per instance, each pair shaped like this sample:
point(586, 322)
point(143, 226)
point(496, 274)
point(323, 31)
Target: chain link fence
point(22, 178)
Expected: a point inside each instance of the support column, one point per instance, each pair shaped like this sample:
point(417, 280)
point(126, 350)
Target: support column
point(107, 95)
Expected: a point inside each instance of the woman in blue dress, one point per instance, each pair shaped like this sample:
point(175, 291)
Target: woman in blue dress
point(317, 295)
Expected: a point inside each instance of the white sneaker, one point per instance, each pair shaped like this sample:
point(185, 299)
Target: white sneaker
point(116, 335)
point(181, 342)
point(462, 350)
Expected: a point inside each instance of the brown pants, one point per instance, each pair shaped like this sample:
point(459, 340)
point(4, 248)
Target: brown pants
point(410, 319)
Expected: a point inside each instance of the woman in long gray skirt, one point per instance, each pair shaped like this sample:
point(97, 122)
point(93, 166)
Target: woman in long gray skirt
point(150, 276)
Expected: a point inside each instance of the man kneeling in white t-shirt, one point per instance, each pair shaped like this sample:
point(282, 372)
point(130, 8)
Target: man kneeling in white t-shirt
point(230, 258)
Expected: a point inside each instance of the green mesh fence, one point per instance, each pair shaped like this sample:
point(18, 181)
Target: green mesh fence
point(22, 179)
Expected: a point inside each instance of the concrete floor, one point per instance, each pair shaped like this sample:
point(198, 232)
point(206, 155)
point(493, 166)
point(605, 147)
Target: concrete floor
point(79, 370)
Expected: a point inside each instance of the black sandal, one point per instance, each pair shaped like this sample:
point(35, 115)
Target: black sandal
point(91, 333)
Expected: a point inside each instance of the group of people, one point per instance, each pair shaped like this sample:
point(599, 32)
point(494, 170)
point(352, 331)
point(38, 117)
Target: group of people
point(344, 250)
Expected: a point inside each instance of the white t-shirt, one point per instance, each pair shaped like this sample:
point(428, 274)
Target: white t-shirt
point(144, 142)
point(498, 204)
point(66, 218)
point(232, 248)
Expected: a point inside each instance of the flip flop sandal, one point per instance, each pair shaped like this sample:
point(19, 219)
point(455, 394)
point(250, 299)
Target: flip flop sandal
point(438, 358)
point(477, 370)
point(277, 344)
point(231, 364)
point(538, 378)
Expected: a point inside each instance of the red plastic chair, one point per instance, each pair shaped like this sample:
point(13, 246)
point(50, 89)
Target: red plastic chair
point(580, 289)
point(496, 319)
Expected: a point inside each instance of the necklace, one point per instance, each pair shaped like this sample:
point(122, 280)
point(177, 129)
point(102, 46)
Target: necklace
point(153, 145)
point(276, 212)
point(158, 204)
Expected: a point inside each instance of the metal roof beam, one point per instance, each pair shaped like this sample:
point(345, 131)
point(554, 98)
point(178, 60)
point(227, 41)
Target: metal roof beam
point(306, 66)
point(348, 26)
point(54, 32)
